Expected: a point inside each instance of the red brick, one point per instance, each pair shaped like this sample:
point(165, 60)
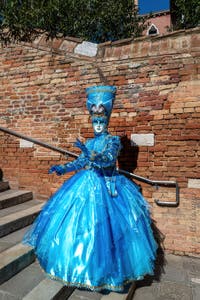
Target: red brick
point(56, 113)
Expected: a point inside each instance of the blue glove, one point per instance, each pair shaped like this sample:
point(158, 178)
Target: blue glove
point(59, 169)
point(83, 148)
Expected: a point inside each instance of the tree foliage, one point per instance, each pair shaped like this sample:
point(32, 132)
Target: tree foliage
point(94, 20)
point(186, 13)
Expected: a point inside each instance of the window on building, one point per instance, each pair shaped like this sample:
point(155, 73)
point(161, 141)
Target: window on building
point(152, 30)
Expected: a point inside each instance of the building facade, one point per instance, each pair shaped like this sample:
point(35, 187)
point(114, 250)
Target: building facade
point(159, 23)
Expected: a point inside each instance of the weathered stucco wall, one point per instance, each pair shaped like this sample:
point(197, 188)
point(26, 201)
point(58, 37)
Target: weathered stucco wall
point(42, 94)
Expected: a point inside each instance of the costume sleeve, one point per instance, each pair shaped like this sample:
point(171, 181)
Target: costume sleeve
point(76, 164)
point(109, 155)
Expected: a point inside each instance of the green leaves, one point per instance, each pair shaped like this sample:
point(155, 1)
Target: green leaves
point(94, 20)
point(186, 14)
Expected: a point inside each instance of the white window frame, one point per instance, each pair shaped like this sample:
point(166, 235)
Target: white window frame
point(152, 25)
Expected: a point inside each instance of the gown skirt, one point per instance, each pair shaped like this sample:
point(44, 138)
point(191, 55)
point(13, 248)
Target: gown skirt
point(87, 238)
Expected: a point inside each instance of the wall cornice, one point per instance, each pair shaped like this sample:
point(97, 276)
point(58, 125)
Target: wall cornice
point(142, 46)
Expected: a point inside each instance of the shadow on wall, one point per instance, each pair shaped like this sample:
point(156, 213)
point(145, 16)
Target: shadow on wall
point(128, 157)
point(1, 175)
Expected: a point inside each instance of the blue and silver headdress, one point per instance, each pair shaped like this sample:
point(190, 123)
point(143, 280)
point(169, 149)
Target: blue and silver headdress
point(100, 100)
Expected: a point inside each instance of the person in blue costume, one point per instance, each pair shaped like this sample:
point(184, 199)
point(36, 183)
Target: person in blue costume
point(95, 231)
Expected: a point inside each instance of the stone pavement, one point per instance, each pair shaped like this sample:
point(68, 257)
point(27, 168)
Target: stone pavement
point(179, 279)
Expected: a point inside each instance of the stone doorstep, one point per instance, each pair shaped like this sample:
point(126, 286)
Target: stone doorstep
point(11, 197)
point(14, 259)
point(19, 219)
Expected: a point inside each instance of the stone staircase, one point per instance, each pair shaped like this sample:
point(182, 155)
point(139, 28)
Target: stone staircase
point(20, 274)
point(21, 277)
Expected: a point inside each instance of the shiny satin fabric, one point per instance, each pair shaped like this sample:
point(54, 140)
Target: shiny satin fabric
point(88, 237)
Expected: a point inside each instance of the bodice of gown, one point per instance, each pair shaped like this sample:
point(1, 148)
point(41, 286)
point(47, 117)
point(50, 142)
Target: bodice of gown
point(103, 153)
point(99, 143)
point(104, 150)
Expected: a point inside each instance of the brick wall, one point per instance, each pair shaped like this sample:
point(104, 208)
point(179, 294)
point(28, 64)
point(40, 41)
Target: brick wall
point(42, 94)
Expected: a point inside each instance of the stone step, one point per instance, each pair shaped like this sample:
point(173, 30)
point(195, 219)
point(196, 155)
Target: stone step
point(12, 239)
point(22, 283)
point(127, 294)
point(80, 294)
point(49, 289)
point(33, 286)
point(4, 185)
point(19, 207)
point(12, 197)
point(19, 216)
point(14, 259)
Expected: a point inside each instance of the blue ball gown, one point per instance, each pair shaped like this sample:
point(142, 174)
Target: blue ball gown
point(95, 231)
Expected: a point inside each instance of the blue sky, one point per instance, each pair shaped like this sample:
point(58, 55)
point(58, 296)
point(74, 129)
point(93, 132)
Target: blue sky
point(147, 6)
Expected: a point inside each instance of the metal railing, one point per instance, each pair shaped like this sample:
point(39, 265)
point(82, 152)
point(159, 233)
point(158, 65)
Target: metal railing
point(156, 183)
